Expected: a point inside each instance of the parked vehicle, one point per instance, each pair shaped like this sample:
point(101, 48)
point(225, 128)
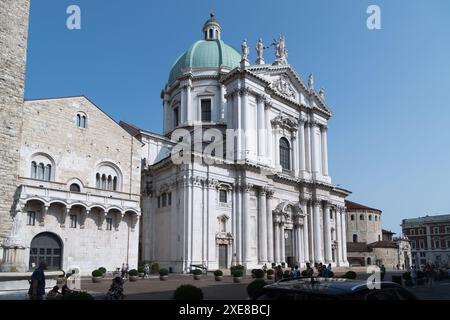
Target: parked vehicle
point(333, 289)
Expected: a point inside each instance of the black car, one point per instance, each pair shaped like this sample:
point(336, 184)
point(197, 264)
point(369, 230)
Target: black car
point(333, 289)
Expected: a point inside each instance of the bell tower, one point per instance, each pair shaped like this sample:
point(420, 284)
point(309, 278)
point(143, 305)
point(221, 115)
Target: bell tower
point(14, 15)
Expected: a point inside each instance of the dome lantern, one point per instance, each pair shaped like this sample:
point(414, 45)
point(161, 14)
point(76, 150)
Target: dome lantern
point(211, 29)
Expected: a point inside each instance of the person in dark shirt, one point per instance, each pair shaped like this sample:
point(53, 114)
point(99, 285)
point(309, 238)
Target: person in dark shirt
point(37, 283)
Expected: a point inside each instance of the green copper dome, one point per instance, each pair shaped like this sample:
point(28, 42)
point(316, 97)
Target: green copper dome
point(206, 54)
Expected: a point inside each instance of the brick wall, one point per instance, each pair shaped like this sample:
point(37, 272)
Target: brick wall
point(13, 43)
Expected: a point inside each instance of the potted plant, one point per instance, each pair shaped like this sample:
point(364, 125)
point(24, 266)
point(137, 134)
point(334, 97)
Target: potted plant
point(274, 265)
point(197, 274)
point(218, 274)
point(237, 275)
point(270, 273)
point(141, 271)
point(133, 275)
point(255, 289)
point(103, 271)
point(154, 268)
point(97, 276)
point(259, 274)
point(253, 273)
point(163, 274)
point(188, 292)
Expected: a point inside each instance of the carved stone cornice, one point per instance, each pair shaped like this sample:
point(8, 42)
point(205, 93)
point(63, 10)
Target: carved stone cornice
point(212, 183)
point(284, 122)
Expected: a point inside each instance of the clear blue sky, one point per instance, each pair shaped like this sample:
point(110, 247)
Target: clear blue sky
point(389, 89)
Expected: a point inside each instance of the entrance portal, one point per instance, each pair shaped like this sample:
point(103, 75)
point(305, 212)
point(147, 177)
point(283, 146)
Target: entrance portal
point(289, 248)
point(223, 256)
point(48, 248)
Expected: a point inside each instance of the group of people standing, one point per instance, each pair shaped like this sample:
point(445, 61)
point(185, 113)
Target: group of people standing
point(321, 271)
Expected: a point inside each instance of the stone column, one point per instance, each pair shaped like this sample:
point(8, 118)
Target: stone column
point(314, 150)
point(324, 130)
point(277, 147)
point(44, 211)
point(261, 128)
point(269, 135)
point(221, 113)
point(344, 235)
point(238, 115)
point(262, 227)
point(276, 225)
point(327, 231)
point(317, 233)
point(167, 115)
point(190, 115)
point(295, 155)
point(305, 232)
point(302, 147)
point(183, 106)
point(212, 222)
point(339, 237)
point(311, 231)
point(239, 234)
point(64, 213)
point(270, 236)
point(282, 243)
point(234, 191)
point(246, 222)
point(245, 124)
point(308, 156)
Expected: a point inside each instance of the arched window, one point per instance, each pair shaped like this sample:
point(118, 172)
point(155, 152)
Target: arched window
point(40, 171)
point(110, 183)
point(361, 217)
point(370, 217)
point(355, 238)
point(48, 173)
point(75, 188)
point(33, 170)
point(211, 34)
point(81, 120)
point(104, 182)
point(352, 217)
point(108, 177)
point(285, 154)
point(115, 184)
point(206, 110)
point(376, 218)
point(223, 196)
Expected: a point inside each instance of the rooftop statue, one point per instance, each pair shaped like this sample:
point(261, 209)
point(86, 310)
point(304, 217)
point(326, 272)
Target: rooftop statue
point(280, 50)
point(245, 50)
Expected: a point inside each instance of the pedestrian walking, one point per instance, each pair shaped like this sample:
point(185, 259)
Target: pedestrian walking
point(382, 272)
point(37, 283)
point(414, 275)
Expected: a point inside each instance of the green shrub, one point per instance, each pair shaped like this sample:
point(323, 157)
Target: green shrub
point(304, 273)
point(286, 274)
point(141, 269)
point(197, 272)
point(133, 273)
point(237, 273)
point(141, 264)
point(259, 274)
point(77, 295)
point(188, 292)
point(406, 276)
point(218, 273)
point(270, 272)
point(255, 288)
point(97, 273)
point(330, 274)
point(102, 270)
point(154, 268)
point(163, 272)
point(349, 275)
point(236, 268)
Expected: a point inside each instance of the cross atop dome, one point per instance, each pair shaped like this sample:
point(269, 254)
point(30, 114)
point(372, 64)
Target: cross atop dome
point(212, 29)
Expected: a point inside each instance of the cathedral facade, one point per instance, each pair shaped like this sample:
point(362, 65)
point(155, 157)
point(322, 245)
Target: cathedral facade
point(270, 197)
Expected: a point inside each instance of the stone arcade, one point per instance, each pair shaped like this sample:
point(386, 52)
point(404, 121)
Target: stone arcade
point(273, 201)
